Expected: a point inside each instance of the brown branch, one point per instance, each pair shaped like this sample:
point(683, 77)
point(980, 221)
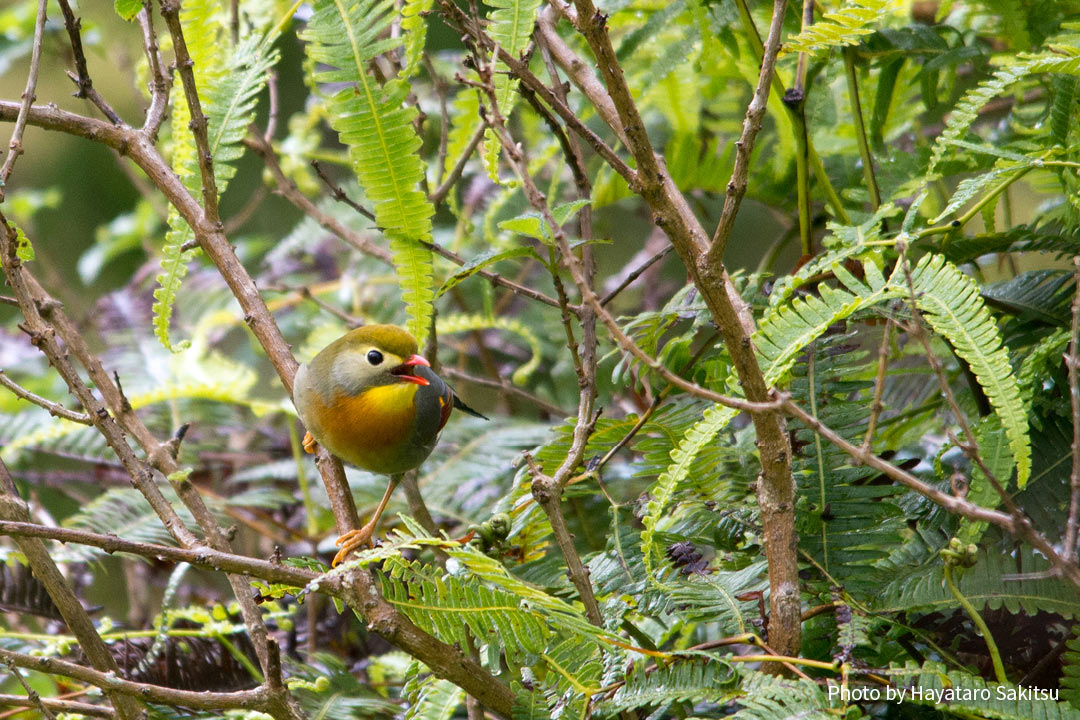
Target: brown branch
point(439, 194)
point(55, 409)
point(204, 557)
point(736, 187)
point(12, 508)
point(256, 699)
point(160, 83)
point(81, 76)
point(15, 147)
point(170, 10)
point(548, 489)
point(578, 71)
point(65, 706)
point(879, 385)
point(1018, 527)
point(1072, 360)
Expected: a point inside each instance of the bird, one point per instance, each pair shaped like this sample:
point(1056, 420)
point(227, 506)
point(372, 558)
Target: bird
point(372, 401)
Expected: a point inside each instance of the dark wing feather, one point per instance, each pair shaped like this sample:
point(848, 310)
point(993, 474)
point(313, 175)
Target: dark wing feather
point(465, 408)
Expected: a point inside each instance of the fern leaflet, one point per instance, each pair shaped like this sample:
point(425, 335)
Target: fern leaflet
point(375, 124)
point(951, 303)
point(846, 26)
point(511, 27)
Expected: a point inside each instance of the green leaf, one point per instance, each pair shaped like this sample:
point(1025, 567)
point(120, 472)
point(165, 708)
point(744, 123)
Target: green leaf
point(23, 249)
point(529, 224)
point(563, 213)
point(482, 261)
point(127, 9)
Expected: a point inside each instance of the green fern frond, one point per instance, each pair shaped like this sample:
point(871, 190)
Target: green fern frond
point(463, 323)
point(983, 585)
point(376, 125)
point(784, 333)
point(1070, 679)
point(228, 94)
point(681, 682)
point(567, 619)
point(690, 446)
point(1063, 108)
point(414, 26)
point(431, 698)
point(846, 26)
point(951, 303)
point(453, 609)
point(967, 109)
point(767, 697)
point(174, 266)
point(511, 28)
point(972, 696)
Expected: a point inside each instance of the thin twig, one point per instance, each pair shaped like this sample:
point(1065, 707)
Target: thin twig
point(15, 146)
point(635, 274)
point(1072, 361)
point(170, 10)
point(55, 409)
point(160, 83)
point(81, 77)
point(736, 187)
point(507, 387)
point(339, 194)
point(64, 706)
point(879, 385)
point(439, 194)
point(1018, 527)
point(31, 694)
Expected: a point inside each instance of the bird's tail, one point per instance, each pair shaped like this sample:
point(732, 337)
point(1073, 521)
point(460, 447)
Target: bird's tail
point(466, 409)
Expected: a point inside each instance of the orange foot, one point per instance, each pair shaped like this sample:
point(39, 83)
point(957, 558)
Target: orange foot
point(351, 541)
point(310, 446)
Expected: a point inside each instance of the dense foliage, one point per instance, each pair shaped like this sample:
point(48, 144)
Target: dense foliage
point(804, 466)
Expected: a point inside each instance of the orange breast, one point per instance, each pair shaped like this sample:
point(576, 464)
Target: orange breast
point(369, 430)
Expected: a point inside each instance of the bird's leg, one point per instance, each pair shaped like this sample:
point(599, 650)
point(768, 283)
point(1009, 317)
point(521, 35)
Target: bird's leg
point(353, 539)
point(309, 444)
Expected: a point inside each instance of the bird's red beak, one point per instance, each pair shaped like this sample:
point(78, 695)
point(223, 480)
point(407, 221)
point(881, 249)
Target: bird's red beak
point(404, 370)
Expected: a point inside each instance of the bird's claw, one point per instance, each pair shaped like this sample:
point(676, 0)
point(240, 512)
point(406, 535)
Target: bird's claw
point(310, 446)
point(350, 541)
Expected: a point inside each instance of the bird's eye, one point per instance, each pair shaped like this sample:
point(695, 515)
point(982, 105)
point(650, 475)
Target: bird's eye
point(374, 357)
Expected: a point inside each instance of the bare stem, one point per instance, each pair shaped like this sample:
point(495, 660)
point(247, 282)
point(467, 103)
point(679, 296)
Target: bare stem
point(1072, 523)
point(55, 409)
point(15, 146)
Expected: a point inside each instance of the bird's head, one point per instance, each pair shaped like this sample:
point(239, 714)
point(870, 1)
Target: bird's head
point(374, 355)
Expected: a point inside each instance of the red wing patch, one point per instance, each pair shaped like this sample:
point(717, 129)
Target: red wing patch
point(446, 406)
